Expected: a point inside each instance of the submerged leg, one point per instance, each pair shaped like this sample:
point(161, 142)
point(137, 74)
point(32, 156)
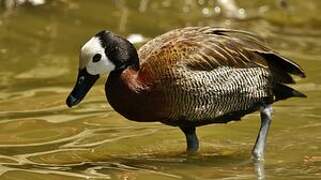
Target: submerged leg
point(191, 139)
point(266, 118)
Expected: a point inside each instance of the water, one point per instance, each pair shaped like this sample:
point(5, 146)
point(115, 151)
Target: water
point(40, 138)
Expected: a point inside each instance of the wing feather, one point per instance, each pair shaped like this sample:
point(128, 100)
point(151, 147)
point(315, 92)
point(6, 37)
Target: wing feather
point(206, 48)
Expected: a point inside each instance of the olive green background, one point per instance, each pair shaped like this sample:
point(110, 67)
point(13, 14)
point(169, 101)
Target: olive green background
point(40, 138)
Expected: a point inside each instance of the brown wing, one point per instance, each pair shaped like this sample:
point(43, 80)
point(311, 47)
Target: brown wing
point(206, 48)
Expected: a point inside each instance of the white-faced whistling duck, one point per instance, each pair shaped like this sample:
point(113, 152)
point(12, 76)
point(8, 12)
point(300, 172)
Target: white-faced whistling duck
point(189, 77)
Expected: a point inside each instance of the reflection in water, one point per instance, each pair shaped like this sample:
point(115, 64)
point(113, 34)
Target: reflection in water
point(10, 4)
point(259, 170)
point(231, 10)
point(143, 5)
point(121, 4)
point(41, 139)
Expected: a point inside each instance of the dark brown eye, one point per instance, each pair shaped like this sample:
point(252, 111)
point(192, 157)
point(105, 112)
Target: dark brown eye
point(96, 58)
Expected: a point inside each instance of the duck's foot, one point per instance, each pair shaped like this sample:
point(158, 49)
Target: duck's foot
point(191, 139)
point(266, 118)
point(257, 156)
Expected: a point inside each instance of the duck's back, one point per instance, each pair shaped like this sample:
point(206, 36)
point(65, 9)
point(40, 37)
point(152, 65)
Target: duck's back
point(206, 75)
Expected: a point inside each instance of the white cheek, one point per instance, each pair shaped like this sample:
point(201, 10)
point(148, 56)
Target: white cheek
point(92, 47)
point(100, 67)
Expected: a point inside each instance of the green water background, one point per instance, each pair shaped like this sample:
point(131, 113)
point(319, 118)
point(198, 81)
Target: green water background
point(40, 138)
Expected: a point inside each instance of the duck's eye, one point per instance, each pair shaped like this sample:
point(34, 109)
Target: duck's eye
point(96, 58)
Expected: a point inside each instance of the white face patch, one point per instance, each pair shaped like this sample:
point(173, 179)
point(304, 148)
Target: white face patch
point(88, 51)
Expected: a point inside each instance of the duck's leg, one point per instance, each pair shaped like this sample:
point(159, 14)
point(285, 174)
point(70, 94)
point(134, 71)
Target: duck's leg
point(266, 118)
point(191, 139)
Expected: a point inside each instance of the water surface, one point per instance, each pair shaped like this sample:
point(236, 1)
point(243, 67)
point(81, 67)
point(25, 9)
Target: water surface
point(40, 138)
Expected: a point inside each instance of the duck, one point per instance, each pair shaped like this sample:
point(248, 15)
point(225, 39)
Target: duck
point(189, 77)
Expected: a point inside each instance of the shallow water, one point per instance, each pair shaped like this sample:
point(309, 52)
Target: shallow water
point(40, 138)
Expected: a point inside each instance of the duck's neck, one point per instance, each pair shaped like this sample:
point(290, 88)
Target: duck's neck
point(125, 93)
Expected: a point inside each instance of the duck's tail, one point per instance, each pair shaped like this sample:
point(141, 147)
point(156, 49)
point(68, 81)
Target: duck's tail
point(282, 92)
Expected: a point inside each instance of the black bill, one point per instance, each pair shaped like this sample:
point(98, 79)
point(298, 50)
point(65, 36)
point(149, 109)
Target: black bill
point(83, 84)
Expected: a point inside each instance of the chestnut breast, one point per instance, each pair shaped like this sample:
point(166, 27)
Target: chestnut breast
point(133, 98)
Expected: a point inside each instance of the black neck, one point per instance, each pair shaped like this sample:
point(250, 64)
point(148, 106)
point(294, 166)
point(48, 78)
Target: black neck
point(120, 51)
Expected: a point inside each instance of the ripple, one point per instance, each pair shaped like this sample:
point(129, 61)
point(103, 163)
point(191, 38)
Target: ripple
point(41, 138)
point(36, 133)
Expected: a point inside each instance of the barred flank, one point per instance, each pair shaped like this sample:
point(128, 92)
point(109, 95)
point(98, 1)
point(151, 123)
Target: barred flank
point(198, 95)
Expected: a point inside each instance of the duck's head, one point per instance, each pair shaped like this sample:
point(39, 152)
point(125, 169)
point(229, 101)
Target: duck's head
point(102, 54)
